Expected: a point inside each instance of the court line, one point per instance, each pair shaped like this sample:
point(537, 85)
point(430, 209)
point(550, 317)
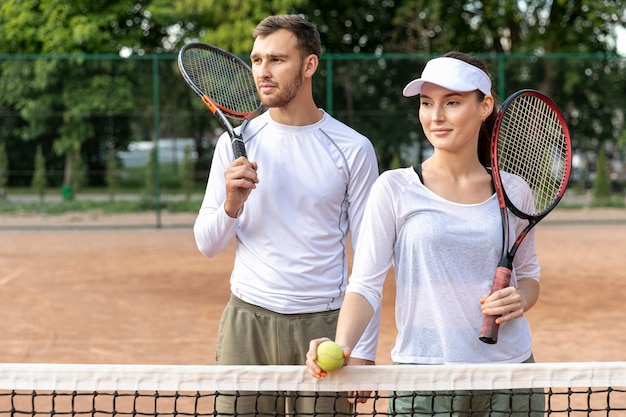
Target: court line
point(10, 276)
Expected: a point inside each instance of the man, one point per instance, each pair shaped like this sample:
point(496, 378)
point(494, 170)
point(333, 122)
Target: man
point(292, 206)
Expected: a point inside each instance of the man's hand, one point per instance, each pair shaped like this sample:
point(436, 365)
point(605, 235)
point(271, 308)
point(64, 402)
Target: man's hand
point(240, 178)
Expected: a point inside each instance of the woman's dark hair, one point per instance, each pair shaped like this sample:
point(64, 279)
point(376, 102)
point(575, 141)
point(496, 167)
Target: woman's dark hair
point(484, 137)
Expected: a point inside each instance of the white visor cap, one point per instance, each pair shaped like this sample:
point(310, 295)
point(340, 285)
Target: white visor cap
point(450, 73)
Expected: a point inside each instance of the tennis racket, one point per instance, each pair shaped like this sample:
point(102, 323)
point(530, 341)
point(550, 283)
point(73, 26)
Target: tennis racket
point(530, 140)
point(225, 84)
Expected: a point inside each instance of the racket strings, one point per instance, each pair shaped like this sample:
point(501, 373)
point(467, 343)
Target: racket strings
point(223, 79)
point(532, 144)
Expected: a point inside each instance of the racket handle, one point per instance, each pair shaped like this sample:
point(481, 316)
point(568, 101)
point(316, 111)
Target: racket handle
point(489, 331)
point(239, 148)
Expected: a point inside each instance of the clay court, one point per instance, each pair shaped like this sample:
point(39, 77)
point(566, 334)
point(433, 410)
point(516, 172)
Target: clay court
point(147, 296)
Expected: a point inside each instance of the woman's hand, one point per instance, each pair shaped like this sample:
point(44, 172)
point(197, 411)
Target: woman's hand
point(317, 372)
point(506, 303)
point(311, 357)
point(511, 303)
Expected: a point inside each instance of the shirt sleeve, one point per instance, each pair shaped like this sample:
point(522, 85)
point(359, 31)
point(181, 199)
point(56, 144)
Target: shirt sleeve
point(372, 262)
point(525, 263)
point(214, 229)
point(363, 174)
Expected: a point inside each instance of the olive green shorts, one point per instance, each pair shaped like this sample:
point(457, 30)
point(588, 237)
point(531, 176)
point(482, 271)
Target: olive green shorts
point(497, 403)
point(251, 335)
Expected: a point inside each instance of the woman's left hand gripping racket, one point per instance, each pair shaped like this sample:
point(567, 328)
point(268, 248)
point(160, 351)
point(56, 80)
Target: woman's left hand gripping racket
point(225, 84)
point(530, 140)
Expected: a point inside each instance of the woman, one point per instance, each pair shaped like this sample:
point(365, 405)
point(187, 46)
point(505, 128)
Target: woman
point(439, 224)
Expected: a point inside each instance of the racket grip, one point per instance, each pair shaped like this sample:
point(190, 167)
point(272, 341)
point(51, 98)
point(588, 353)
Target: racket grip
point(239, 148)
point(489, 331)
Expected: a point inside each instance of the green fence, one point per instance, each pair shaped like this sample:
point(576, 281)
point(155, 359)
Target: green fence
point(109, 102)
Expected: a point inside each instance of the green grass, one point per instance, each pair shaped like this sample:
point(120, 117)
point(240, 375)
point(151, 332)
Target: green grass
point(129, 196)
point(612, 201)
point(138, 205)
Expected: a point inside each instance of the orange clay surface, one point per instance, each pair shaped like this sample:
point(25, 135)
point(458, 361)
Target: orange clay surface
point(147, 296)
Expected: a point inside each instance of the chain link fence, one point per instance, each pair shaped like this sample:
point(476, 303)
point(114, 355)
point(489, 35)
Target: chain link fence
point(81, 111)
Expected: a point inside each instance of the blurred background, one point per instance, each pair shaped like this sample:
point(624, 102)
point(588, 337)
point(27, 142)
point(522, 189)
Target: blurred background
point(94, 113)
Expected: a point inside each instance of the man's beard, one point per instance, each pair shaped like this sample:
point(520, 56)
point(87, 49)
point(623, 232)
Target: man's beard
point(285, 94)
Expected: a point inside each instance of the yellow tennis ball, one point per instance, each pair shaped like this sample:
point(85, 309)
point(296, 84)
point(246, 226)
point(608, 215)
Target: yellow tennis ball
point(329, 356)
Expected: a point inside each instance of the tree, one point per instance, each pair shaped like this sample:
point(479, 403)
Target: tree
point(4, 170)
point(367, 95)
point(78, 173)
point(229, 23)
point(187, 174)
point(39, 181)
point(526, 31)
point(72, 100)
point(111, 174)
point(601, 190)
point(533, 26)
point(150, 186)
point(79, 102)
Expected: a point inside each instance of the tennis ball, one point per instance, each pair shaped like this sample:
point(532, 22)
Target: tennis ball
point(329, 356)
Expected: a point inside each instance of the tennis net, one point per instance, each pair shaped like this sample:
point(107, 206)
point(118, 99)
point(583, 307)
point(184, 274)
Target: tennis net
point(550, 389)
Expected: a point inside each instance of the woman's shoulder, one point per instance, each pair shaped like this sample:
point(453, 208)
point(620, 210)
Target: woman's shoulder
point(397, 178)
point(516, 188)
point(396, 174)
point(513, 182)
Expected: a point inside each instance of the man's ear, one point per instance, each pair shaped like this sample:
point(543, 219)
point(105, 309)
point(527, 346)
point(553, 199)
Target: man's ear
point(309, 65)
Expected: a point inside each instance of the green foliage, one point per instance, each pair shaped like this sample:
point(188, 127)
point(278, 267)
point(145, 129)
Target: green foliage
point(111, 174)
point(621, 142)
point(601, 189)
point(4, 168)
point(64, 101)
point(86, 205)
point(39, 181)
point(150, 189)
point(187, 174)
point(395, 162)
point(511, 27)
point(78, 174)
point(229, 23)
point(601, 183)
point(90, 103)
point(4, 171)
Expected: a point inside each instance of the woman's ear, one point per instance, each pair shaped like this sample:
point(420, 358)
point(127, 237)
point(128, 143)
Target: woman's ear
point(487, 106)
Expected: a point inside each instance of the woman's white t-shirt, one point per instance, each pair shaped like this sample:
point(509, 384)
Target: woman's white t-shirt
point(444, 256)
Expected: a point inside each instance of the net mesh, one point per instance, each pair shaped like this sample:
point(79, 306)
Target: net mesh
point(532, 144)
point(562, 389)
point(225, 79)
